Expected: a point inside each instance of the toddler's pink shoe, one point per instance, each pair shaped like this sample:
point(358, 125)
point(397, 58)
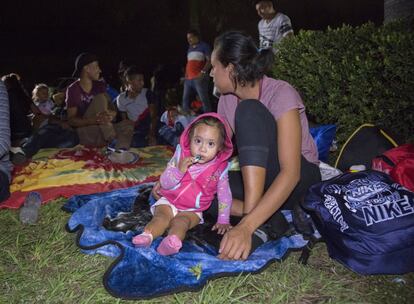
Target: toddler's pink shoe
point(142, 240)
point(171, 244)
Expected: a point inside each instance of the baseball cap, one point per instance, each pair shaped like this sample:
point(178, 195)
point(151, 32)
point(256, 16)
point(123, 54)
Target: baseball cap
point(82, 60)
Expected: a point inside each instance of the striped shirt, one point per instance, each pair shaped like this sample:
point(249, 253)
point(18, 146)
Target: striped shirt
point(5, 164)
point(197, 56)
point(271, 32)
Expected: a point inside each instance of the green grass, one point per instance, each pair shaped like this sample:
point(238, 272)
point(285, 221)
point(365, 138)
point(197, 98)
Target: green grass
point(42, 264)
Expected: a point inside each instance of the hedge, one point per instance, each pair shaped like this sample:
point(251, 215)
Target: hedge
point(353, 75)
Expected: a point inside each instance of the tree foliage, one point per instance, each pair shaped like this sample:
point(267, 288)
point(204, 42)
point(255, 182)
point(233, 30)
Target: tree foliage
point(353, 75)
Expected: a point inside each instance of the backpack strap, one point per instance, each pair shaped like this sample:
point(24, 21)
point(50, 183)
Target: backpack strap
point(307, 250)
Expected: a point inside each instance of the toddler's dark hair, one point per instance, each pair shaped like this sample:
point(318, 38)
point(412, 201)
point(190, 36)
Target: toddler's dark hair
point(212, 122)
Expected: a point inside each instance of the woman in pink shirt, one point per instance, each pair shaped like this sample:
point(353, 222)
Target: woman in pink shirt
point(278, 157)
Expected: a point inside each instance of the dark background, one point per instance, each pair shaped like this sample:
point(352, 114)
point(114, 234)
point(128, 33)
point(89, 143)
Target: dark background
point(41, 39)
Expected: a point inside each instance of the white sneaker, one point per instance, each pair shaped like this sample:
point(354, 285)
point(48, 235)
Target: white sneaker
point(16, 150)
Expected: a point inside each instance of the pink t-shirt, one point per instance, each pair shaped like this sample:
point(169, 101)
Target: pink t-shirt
point(279, 97)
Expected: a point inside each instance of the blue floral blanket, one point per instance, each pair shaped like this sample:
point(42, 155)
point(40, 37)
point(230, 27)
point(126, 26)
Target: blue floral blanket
point(141, 273)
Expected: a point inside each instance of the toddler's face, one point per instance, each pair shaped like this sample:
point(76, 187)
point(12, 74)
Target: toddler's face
point(205, 142)
point(42, 94)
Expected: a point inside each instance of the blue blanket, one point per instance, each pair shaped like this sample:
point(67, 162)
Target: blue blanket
point(141, 273)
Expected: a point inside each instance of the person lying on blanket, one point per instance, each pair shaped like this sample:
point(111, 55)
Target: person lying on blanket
point(197, 171)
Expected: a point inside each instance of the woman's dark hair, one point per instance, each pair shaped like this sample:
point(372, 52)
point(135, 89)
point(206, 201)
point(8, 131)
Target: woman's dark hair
point(250, 63)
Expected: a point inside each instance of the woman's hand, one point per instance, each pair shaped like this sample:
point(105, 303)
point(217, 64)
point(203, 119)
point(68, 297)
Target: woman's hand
point(221, 228)
point(155, 191)
point(236, 244)
point(105, 117)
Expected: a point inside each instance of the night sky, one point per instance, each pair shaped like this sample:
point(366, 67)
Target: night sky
point(41, 39)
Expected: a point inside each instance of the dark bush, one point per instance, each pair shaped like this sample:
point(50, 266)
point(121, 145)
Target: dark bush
point(353, 75)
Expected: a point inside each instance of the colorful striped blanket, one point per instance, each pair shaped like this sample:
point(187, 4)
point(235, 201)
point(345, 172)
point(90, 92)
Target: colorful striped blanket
point(66, 172)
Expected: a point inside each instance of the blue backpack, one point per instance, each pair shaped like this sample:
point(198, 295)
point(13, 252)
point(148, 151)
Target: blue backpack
point(366, 220)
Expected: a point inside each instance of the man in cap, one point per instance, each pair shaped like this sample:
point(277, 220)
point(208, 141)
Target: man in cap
point(89, 106)
point(274, 25)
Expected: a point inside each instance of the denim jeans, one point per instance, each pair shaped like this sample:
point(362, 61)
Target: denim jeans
point(50, 136)
point(200, 87)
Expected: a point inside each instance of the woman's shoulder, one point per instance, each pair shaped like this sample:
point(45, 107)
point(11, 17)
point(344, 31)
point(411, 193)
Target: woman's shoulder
point(227, 104)
point(278, 88)
point(277, 84)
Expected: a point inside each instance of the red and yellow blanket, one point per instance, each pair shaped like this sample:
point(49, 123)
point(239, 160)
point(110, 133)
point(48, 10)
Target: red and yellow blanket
point(65, 172)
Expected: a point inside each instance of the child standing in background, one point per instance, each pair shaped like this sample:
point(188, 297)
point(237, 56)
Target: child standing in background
point(197, 171)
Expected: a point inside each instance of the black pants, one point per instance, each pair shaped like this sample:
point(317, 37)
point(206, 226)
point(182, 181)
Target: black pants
point(256, 140)
point(50, 136)
point(4, 186)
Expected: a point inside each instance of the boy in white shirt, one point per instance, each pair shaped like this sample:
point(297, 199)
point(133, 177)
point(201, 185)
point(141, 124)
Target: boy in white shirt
point(273, 27)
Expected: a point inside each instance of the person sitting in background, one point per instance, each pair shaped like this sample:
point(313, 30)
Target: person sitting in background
point(89, 107)
point(44, 108)
point(40, 97)
point(50, 131)
point(5, 164)
point(174, 121)
point(137, 106)
point(20, 106)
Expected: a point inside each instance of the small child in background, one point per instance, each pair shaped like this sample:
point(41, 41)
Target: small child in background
point(44, 105)
point(197, 171)
point(174, 121)
point(40, 97)
point(50, 130)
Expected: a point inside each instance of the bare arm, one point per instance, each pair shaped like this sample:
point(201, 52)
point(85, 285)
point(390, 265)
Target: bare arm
point(207, 66)
point(236, 244)
point(289, 150)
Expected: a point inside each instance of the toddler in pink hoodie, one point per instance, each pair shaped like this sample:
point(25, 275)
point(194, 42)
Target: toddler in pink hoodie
point(197, 171)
